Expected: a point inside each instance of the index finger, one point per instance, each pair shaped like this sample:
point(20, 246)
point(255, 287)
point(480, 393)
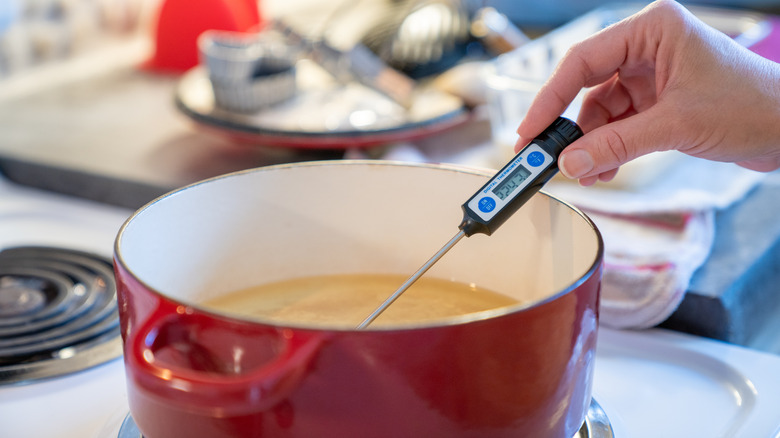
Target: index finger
point(587, 63)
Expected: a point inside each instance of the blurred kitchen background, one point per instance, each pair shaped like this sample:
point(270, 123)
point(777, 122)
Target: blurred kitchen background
point(111, 100)
point(37, 31)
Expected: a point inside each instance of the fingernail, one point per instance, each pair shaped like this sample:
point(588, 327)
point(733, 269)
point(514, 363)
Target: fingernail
point(575, 163)
point(520, 143)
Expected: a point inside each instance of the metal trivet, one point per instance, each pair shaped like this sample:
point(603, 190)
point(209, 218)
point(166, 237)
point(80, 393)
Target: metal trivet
point(596, 425)
point(58, 313)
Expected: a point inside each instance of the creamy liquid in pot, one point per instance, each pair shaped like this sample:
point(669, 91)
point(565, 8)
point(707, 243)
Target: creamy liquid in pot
point(345, 300)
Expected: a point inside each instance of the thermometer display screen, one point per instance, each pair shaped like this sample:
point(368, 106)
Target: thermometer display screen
point(510, 183)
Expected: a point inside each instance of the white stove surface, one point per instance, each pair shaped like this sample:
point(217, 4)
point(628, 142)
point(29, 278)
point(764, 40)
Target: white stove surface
point(652, 383)
point(33, 217)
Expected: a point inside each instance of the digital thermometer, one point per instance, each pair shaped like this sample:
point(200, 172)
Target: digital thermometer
point(503, 194)
point(518, 180)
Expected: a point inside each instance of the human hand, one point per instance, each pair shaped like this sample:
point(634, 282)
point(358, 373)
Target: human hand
point(662, 80)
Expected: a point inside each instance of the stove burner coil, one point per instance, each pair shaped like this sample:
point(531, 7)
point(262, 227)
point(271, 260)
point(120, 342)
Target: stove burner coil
point(58, 313)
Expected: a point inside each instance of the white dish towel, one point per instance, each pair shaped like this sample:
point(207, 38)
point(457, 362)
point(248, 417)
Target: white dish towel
point(658, 228)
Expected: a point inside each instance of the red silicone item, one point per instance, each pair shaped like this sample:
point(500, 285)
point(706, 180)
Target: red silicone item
point(180, 22)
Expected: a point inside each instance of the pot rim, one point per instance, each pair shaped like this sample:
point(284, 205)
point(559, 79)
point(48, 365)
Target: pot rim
point(442, 322)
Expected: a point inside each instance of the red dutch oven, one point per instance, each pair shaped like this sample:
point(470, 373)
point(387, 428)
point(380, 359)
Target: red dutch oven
point(518, 371)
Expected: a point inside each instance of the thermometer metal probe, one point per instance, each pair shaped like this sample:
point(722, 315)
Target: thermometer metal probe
point(502, 195)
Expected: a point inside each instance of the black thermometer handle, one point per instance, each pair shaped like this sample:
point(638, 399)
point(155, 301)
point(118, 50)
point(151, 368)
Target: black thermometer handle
point(518, 180)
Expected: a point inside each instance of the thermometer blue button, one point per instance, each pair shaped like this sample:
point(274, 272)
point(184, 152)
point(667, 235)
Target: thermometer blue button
point(535, 159)
point(487, 204)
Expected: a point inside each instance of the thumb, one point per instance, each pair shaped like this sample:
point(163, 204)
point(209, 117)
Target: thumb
point(609, 146)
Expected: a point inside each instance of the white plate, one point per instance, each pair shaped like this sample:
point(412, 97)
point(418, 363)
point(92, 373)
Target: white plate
point(323, 114)
point(658, 383)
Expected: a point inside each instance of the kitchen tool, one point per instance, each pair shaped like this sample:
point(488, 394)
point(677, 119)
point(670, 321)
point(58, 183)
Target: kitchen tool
point(421, 37)
point(520, 370)
point(503, 195)
point(355, 64)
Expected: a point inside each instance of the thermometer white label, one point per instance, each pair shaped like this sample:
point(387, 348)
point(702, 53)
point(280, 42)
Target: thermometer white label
point(512, 179)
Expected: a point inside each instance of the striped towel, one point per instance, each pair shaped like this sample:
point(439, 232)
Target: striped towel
point(658, 228)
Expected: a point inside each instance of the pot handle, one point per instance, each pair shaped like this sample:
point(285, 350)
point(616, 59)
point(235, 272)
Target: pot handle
point(179, 357)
